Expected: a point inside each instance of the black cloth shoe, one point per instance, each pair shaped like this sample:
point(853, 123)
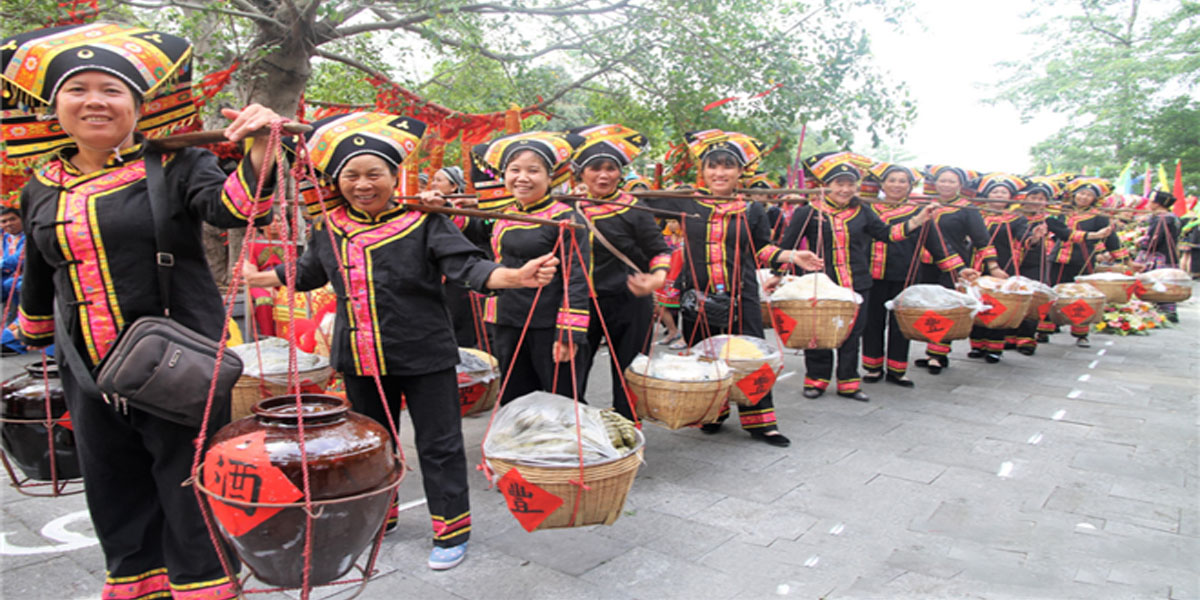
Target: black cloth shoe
point(1082, 342)
point(1027, 350)
point(976, 353)
point(1043, 338)
point(859, 396)
point(992, 357)
point(1010, 346)
point(933, 364)
point(775, 439)
point(873, 376)
point(812, 393)
point(900, 380)
point(711, 428)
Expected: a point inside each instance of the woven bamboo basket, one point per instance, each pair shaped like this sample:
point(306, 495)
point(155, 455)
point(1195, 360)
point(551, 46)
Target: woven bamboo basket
point(488, 400)
point(608, 485)
point(678, 404)
point(766, 315)
point(959, 317)
point(822, 326)
point(246, 392)
point(1059, 317)
point(1175, 292)
point(1015, 308)
point(1115, 290)
point(1114, 268)
point(1039, 299)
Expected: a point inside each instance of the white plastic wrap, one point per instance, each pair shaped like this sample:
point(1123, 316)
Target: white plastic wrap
point(1106, 276)
point(1158, 279)
point(474, 367)
point(742, 353)
point(274, 367)
point(539, 429)
point(1035, 286)
point(672, 367)
point(1010, 285)
point(814, 286)
point(932, 296)
point(1077, 290)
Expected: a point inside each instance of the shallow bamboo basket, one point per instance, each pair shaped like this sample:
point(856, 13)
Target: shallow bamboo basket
point(1015, 308)
point(960, 327)
point(1115, 290)
point(608, 484)
point(1058, 317)
point(678, 404)
point(824, 325)
point(488, 400)
point(246, 392)
point(1175, 292)
point(1039, 299)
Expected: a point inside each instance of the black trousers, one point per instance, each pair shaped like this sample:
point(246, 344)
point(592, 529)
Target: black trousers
point(989, 340)
point(627, 318)
point(882, 323)
point(1066, 273)
point(818, 364)
point(458, 302)
point(432, 401)
point(932, 274)
point(533, 367)
point(761, 416)
point(133, 465)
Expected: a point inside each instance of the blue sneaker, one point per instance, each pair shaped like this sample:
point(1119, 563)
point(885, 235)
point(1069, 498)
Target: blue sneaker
point(441, 559)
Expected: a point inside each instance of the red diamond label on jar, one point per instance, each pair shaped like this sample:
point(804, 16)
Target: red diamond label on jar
point(783, 324)
point(997, 308)
point(240, 470)
point(933, 326)
point(1078, 311)
point(527, 502)
point(757, 384)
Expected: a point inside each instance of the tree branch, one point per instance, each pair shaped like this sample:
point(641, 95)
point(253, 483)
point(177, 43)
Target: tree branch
point(482, 8)
point(498, 56)
point(256, 16)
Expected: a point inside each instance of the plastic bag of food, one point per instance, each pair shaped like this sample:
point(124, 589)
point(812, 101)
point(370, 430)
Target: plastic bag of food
point(1077, 290)
point(475, 367)
point(539, 429)
point(1034, 286)
point(676, 367)
point(1159, 279)
point(933, 296)
point(742, 353)
point(274, 366)
point(814, 286)
point(1106, 276)
point(1009, 285)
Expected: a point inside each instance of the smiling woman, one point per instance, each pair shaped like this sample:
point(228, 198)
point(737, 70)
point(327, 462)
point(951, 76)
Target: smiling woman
point(90, 259)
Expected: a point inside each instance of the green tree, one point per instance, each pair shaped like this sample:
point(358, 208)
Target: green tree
point(1124, 72)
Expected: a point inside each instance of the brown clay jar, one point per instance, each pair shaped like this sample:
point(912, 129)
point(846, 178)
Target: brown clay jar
point(26, 444)
point(258, 459)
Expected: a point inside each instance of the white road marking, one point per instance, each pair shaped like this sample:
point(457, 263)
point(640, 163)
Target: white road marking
point(1102, 352)
point(1034, 439)
point(837, 529)
point(55, 530)
point(1108, 343)
point(408, 505)
point(812, 561)
point(1006, 469)
point(1075, 394)
point(1092, 365)
point(1058, 416)
point(1087, 526)
point(785, 376)
point(1084, 377)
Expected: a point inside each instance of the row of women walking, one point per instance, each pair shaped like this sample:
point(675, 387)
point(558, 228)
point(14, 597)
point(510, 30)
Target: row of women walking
point(558, 273)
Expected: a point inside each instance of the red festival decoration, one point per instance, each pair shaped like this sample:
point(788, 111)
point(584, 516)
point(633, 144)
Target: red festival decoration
point(241, 469)
point(527, 502)
point(757, 384)
point(934, 326)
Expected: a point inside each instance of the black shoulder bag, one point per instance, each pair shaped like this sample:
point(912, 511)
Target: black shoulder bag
point(157, 364)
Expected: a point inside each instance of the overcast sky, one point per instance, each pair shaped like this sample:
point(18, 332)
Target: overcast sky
point(945, 66)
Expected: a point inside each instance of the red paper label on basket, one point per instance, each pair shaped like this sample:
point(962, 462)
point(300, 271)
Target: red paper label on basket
point(1044, 311)
point(527, 502)
point(757, 384)
point(1135, 289)
point(997, 308)
point(470, 395)
point(934, 326)
point(240, 469)
point(783, 324)
point(1078, 311)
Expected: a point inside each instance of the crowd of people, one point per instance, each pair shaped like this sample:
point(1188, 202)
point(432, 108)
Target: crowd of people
point(571, 259)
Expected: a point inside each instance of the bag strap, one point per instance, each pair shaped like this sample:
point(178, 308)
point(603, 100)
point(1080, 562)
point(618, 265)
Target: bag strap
point(66, 349)
point(164, 257)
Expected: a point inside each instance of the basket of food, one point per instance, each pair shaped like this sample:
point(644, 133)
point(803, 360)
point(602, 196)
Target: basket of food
point(934, 314)
point(1043, 298)
point(1077, 304)
point(813, 312)
point(679, 391)
point(269, 378)
point(478, 381)
point(1117, 287)
point(547, 439)
point(754, 361)
point(1165, 285)
point(1005, 301)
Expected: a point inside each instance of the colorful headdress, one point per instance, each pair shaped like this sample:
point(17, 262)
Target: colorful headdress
point(968, 178)
point(617, 143)
point(156, 66)
point(335, 140)
point(633, 182)
point(1099, 185)
point(827, 166)
point(760, 180)
point(1163, 199)
point(991, 181)
point(745, 149)
point(555, 149)
point(455, 175)
point(878, 172)
point(1046, 185)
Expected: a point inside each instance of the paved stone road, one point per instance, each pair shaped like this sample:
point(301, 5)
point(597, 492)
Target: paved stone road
point(1072, 474)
